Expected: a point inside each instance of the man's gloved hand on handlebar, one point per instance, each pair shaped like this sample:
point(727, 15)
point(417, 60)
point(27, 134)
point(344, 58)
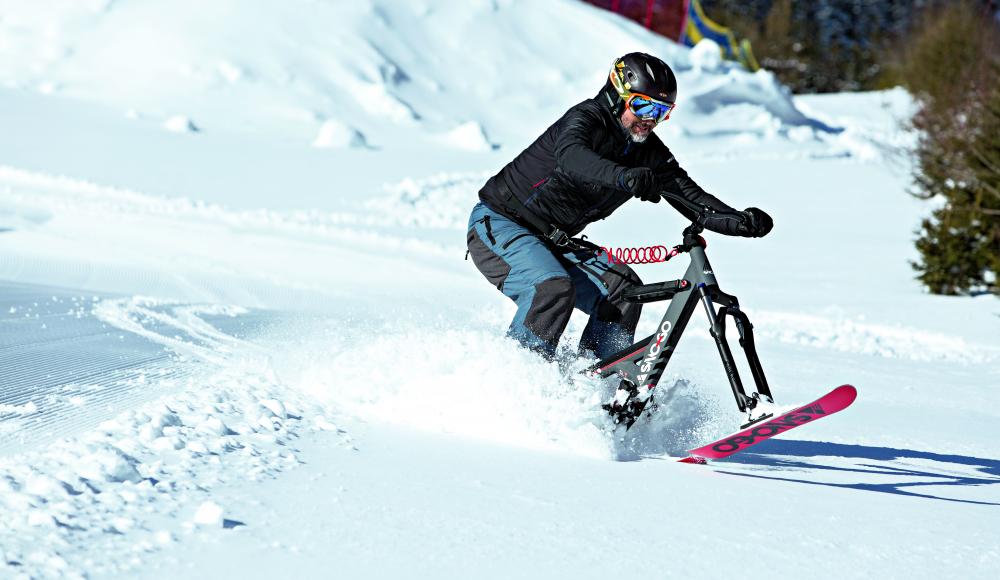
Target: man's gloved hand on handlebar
point(720, 218)
point(755, 223)
point(641, 183)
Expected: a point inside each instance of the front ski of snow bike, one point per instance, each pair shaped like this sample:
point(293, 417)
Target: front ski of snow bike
point(641, 365)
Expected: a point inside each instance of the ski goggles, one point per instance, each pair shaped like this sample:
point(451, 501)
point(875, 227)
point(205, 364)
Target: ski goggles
point(647, 108)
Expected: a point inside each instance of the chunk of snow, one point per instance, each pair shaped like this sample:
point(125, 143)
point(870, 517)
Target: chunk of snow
point(276, 407)
point(229, 71)
point(469, 136)
point(208, 513)
point(335, 134)
point(323, 424)
point(706, 55)
point(379, 102)
point(40, 519)
point(108, 463)
point(28, 408)
point(215, 426)
point(180, 124)
point(163, 537)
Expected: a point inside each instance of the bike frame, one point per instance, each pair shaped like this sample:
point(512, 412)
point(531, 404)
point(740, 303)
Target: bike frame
point(644, 362)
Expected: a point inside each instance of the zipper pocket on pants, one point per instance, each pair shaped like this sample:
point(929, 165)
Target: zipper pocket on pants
point(512, 240)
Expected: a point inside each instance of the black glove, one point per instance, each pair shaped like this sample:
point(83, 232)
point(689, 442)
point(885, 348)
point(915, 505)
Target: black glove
point(755, 223)
point(641, 183)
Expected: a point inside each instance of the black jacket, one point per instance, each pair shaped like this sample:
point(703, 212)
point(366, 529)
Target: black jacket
point(569, 177)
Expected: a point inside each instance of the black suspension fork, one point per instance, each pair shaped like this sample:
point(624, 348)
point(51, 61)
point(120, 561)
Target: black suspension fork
point(730, 307)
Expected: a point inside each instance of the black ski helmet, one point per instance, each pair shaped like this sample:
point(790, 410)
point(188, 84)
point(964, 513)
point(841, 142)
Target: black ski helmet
point(638, 72)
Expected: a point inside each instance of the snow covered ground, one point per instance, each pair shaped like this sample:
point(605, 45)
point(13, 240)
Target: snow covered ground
point(238, 337)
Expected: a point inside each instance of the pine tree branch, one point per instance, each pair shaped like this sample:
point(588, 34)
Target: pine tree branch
point(950, 211)
point(984, 160)
point(990, 189)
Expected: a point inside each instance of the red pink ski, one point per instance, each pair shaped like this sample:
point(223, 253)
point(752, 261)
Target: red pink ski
point(830, 403)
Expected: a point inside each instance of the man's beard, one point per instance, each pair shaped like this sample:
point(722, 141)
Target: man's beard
point(635, 137)
point(638, 138)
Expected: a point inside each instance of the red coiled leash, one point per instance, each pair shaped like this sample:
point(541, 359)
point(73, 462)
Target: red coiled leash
point(640, 255)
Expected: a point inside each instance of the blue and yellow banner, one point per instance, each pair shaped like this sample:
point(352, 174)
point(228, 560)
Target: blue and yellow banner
point(698, 26)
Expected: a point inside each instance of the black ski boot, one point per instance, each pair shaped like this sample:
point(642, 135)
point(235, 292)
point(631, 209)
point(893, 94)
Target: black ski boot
point(626, 406)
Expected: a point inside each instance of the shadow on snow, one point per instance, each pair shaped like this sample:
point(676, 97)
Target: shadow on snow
point(769, 454)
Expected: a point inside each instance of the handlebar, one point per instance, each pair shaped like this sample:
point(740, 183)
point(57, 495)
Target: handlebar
point(703, 212)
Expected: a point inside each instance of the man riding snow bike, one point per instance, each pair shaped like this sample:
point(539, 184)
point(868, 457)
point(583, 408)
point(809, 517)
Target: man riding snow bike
point(598, 155)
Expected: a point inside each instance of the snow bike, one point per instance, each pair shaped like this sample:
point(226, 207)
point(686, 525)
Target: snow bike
point(641, 365)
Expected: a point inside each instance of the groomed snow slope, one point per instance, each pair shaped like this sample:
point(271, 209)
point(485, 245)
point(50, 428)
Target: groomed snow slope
point(238, 337)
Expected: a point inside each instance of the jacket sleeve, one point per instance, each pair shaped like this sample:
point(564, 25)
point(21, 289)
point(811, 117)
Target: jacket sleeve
point(697, 204)
point(575, 155)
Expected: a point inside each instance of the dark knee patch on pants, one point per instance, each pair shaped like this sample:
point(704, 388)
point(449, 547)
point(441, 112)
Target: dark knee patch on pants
point(489, 264)
point(608, 312)
point(614, 308)
point(551, 308)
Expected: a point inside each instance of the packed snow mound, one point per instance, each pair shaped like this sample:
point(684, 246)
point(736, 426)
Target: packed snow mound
point(378, 67)
point(180, 124)
point(706, 55)
point(469, 136)
point(335, 134)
